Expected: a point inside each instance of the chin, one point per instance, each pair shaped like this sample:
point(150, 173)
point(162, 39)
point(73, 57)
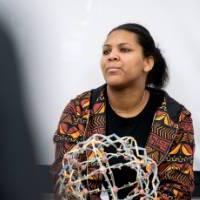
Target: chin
point(115, 85)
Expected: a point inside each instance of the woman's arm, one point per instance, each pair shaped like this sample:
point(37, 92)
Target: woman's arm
point(66, 136)
point(70, 131)
point(176, 171)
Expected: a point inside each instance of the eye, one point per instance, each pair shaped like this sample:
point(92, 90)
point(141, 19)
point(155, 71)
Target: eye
point(125, 49)
point(106, 51)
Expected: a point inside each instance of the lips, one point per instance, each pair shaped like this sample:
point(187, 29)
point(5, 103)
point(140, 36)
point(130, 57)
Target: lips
point(112, 69)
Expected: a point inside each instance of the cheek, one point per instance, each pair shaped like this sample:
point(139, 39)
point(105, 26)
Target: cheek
point(134, 68)
point(136, 64)
point(102, 63)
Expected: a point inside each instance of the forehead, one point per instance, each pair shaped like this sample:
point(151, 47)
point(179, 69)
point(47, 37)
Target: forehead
point(121, 36)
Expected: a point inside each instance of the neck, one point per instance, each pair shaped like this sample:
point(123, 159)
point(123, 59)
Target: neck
point(128, 102)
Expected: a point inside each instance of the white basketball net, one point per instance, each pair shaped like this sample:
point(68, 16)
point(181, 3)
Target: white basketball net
point(74, 173)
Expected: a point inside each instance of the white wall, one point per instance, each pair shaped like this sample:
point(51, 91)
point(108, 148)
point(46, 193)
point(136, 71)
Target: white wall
point(60, 47)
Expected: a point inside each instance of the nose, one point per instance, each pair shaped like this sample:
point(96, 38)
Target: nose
point(113, 56)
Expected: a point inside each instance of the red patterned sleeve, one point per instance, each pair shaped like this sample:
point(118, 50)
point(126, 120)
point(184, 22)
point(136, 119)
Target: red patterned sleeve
point(176, 171)
point(66, 136)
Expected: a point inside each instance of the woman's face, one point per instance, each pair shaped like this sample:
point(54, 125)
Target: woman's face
point(123, 63)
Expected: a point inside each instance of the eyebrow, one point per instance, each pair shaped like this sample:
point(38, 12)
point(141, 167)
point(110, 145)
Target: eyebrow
point(120, 44)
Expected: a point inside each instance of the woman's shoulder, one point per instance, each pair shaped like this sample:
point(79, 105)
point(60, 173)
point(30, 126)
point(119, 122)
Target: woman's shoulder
point(84, 95)
point(89, 95)
point(172, 106)
point(175, 108)
point(174, 103)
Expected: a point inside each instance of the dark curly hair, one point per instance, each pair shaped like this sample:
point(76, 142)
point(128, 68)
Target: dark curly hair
point(158, 76)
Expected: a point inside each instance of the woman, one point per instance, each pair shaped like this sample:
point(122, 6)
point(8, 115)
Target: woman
point(132, 103)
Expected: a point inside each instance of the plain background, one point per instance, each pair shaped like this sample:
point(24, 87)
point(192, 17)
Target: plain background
point(60, 42)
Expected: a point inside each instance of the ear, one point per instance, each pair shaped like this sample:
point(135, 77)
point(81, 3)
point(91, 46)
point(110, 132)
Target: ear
point(148, 63)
